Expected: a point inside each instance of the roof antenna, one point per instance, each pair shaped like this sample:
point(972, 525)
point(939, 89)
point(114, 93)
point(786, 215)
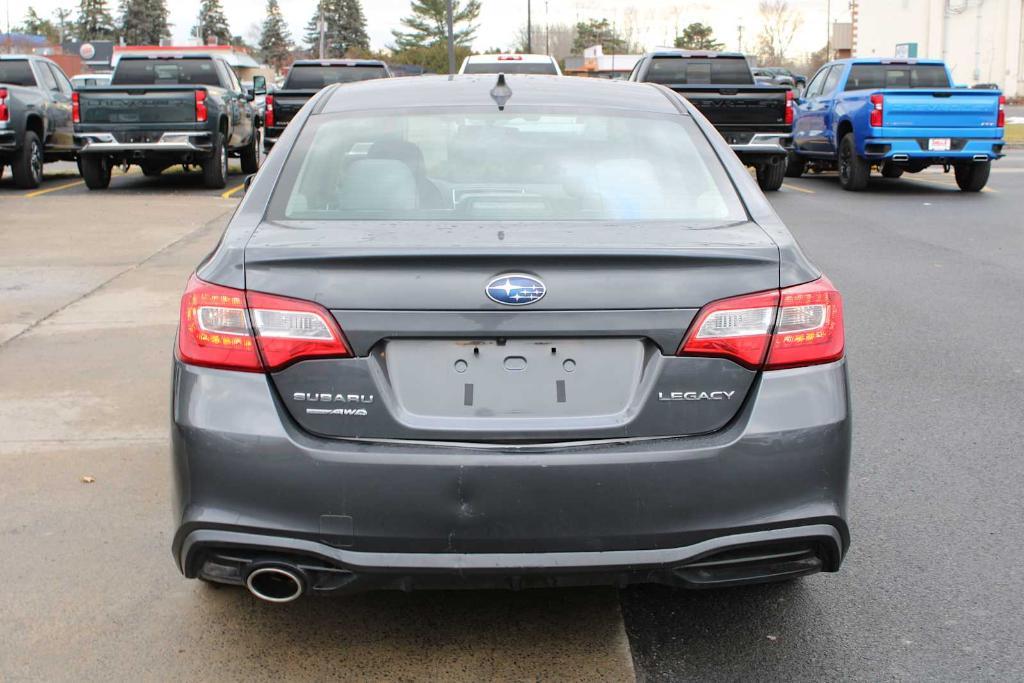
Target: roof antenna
point(501, 93)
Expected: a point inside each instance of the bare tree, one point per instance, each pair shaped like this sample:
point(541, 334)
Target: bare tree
point(556, 39)
point(780, 23)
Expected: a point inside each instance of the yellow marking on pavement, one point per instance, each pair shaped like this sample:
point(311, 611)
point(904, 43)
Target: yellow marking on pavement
point(233, 190)
point(943, 183)
point(48, 190)
point(797, 188)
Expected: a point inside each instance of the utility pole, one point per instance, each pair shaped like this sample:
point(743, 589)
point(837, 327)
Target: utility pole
point(451, 39)
point(828, 30)
point(529, 29)
point(739, 30)
point(322, 25)
point(547, 30)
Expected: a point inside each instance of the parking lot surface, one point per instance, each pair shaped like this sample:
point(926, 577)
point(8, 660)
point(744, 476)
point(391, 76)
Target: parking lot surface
point(90, 283)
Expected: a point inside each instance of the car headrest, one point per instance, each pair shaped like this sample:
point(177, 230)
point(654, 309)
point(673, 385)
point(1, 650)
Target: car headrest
point(378, 184)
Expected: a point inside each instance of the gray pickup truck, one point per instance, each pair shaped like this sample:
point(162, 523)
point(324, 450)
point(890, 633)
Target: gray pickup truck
point(755, 119)
point(35, 117)
point(166, 109)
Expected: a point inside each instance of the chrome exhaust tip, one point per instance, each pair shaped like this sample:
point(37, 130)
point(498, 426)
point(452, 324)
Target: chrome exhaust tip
point(275, 584)
point(900, 157)
point(981, 157)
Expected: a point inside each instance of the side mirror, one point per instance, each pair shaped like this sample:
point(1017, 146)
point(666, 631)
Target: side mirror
point(259, 85)
point(247, 182)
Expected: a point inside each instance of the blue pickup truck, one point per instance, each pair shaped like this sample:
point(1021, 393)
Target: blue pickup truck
point(896, 115)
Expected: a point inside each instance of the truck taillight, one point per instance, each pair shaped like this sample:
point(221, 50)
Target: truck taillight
point(877, 110)
point(76, 108)
point(789, 107)
point(5, 113)
point(1001, 116)
point(788, 328)
point(269, 116)
point(201, 111)
point(231, 329)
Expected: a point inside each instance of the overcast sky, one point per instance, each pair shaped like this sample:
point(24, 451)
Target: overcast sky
point(655, 21)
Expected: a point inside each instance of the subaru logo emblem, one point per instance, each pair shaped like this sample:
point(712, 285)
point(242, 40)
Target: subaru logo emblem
point(515, 289)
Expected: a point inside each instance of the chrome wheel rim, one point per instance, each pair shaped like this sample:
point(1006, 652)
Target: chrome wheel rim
point(224, 161)
point(36, 161)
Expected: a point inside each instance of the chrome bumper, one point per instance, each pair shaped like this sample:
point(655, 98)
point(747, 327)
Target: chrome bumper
point(764, 144)
point(175, 141)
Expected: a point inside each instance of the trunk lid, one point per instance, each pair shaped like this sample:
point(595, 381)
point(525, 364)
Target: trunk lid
point(942, 108)
point(138, 105)
point(439, 360)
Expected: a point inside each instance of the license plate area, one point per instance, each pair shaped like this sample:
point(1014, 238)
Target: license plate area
point(939, 144)
point(515, 378)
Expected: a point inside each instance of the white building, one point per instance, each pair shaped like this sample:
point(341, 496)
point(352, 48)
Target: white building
point(981, 40)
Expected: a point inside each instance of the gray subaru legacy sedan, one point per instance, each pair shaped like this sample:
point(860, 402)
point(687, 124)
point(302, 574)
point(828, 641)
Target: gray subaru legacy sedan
point(506, 332)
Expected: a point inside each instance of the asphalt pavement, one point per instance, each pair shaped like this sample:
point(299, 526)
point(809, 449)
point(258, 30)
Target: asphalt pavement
point(934, 292)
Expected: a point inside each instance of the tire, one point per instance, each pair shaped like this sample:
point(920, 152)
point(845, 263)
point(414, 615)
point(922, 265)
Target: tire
point(95, 171)
point(972, 177)
point(853, 171)
point(250, 155)
point(771, 175)
point(27, 166)
point(215, 168)
point(891, 170)
point(152, 170)
point(794, 165)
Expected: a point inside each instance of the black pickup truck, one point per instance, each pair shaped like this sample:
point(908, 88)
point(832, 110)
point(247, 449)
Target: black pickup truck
point(756, 120)
point(35, 117)
point(305, 79)
point(167, 109)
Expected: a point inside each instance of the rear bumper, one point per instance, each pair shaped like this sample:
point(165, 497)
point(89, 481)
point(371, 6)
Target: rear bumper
point(171, 141)
point(763, 147)
point(250, 486)
point(964, 149)
point(8, 141)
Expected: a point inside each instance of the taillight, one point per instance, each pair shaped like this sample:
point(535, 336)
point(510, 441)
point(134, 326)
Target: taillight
point(877, 110)
point(201, 112)
point(1001, 116)
point(787, 328)
point(789, 107)
point(76, 109)
point(268, 118)
point(5, 113)
point(231, 329)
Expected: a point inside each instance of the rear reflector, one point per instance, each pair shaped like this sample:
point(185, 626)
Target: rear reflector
point(231, 329)
point(1001, 116)
point(790, 328)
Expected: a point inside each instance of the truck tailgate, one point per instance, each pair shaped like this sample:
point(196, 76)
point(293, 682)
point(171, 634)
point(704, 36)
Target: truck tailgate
point(142, 104)
point(945, 108)
point(751, 106)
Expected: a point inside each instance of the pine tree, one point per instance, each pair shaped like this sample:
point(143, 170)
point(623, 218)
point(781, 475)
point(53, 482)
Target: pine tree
point(144, 22)
point(346, 28)
point(94, 21)
point(212, 23)
point(275, 41)
point(428, 23)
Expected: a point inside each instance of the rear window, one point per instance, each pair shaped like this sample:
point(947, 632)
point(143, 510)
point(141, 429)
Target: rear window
point(512, 67)
point(16, 72)
point(874, 76)
point(165, 72)
point(478, 165)
point(314, 77)
point(687, 70)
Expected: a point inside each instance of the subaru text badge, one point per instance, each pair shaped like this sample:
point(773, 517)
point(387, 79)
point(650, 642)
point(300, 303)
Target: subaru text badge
point(515, 289)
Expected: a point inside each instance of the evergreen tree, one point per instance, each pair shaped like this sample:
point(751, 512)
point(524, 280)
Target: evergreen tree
point(598, 32)
point(698, 36)
point(428, 23)
point(275, 41)
point(212, 23)
point(37, 26)
point(144, 22)
point(94, 21)
point(346, 28)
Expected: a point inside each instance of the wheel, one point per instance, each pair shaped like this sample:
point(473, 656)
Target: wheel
point(891, 170)
point(794, 165)
point(152, 170)
point(27, 166)
point(215, 168)
point(770, 175)
point(95, 171)
point(250, 155)
point(973, 176)
point(853, 171)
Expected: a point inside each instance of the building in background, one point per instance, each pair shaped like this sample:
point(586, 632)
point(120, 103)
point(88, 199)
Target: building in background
point(596, 63)
point(981, 40)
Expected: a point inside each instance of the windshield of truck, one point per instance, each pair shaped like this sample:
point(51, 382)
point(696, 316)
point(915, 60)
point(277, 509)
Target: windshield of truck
point(316, 76)
point(16, 72)
point(165, 72)
point(689, 70)
point(874, 76)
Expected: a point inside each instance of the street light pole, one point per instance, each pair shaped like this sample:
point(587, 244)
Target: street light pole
point(828, 30)
point(322, 25)
point(529, 29)
point(451, 39)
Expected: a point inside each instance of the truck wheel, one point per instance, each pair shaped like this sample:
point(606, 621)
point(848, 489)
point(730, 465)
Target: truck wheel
point(250, 155)
point(95, 171)
point(973, 176)
point(27, 166)
point(853, 171)
point(891, 170)
point(215, 168)
point(770, 175)
point(794, 165)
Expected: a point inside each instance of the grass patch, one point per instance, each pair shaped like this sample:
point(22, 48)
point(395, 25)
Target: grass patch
point(1015, 133)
